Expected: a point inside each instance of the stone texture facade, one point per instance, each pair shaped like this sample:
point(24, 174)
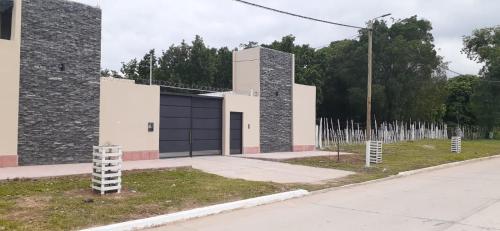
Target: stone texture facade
point(59, 82)
point(276, 86)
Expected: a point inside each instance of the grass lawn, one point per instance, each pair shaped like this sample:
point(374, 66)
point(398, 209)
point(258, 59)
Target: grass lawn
point(67, 203)
point(399, 157)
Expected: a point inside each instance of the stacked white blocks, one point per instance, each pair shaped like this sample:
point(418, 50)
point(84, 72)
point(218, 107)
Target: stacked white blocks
point(373, 152)
point(107, 169)
point(456, 144)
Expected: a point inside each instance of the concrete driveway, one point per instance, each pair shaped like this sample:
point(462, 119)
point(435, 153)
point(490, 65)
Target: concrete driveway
point(276, 156)
point(260, 170)
point(465, 197)
point(226, 166)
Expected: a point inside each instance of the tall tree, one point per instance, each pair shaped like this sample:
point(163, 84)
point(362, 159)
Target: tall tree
point(143, 66)
point(129, 69)
point(223, 68)
point(190, 64)
point(483, 46)
point(458, 104)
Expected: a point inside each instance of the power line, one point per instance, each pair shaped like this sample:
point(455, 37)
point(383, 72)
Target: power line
point(452, 71)
point(481, 80)
point(297, 15)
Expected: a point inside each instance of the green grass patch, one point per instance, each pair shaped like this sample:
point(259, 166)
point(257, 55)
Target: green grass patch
point(399, 157)
point(67, 203)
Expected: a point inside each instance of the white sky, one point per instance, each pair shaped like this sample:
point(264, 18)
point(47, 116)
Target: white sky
point(132, 27)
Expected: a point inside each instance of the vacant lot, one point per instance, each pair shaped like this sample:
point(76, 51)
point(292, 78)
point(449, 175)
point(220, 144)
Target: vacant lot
point(67, 203)
point(400, 157)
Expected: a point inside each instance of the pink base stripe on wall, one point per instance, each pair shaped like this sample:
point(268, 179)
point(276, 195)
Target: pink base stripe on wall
point(251, 150)
point(303, 148)
point(141, 155)
point(8, 161)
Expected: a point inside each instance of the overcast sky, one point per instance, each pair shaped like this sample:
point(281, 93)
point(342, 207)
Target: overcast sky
point(132, 27)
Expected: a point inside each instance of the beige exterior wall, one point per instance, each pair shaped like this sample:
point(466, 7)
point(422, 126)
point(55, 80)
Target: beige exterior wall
point(9, 88)
point(246, 71)
point(126, 109)
point(304, 115)
point(249, 106)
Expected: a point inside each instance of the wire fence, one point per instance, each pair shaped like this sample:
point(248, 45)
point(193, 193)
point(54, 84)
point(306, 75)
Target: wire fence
point(176, 86)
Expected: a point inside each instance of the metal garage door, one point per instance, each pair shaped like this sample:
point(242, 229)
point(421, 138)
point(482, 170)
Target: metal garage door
point(190, 125)
point(236, 132)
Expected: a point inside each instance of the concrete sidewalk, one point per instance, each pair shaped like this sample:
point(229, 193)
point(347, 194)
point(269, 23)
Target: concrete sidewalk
point(289, 155)
point(230, 167)
point(465, 197)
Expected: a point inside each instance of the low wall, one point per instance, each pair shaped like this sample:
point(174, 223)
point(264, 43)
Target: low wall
point(10, 51)
point(304, 117)
point(126, 110)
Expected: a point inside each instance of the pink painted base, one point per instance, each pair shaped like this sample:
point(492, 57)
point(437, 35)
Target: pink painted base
point(303, 148)
point(8, 161)
point(251, 150)
point(141, 155)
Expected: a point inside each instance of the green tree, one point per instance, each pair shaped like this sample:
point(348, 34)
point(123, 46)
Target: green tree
point(223, 68)
point(406, 64)
point(458, 104)
point(191, 64)
point(129, 69)
point(483, 46)
point(143, 67)
point(174, 63)
point(202, 64)
point(105, 73)
point(250, 44)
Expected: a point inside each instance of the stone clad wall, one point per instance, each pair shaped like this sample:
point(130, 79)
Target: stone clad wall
point(59, 84)
point(276, 87)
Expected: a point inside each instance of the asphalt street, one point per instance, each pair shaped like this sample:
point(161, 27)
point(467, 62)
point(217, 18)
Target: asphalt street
point(465, 197)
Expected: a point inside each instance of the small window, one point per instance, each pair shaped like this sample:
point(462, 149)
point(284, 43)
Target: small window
point(62, 67)
point(6, 7)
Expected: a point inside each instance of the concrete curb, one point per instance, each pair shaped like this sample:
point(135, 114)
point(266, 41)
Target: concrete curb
point(353, 185)
point(199, 212)
point(407, 173)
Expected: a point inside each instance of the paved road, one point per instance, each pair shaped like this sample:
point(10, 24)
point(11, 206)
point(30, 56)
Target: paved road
point(465, 197)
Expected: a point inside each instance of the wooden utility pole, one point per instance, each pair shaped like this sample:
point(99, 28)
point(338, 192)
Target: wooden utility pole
point(369, 91)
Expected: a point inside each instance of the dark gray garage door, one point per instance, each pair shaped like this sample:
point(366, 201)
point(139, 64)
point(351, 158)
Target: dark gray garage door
point(190, 125)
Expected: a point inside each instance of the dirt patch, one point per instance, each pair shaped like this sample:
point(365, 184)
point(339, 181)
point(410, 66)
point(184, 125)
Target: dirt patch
point(33, 202)
point(149, 210)
point(429, 147)
point(29, 208)
point(350, 159)
point(88, 193)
